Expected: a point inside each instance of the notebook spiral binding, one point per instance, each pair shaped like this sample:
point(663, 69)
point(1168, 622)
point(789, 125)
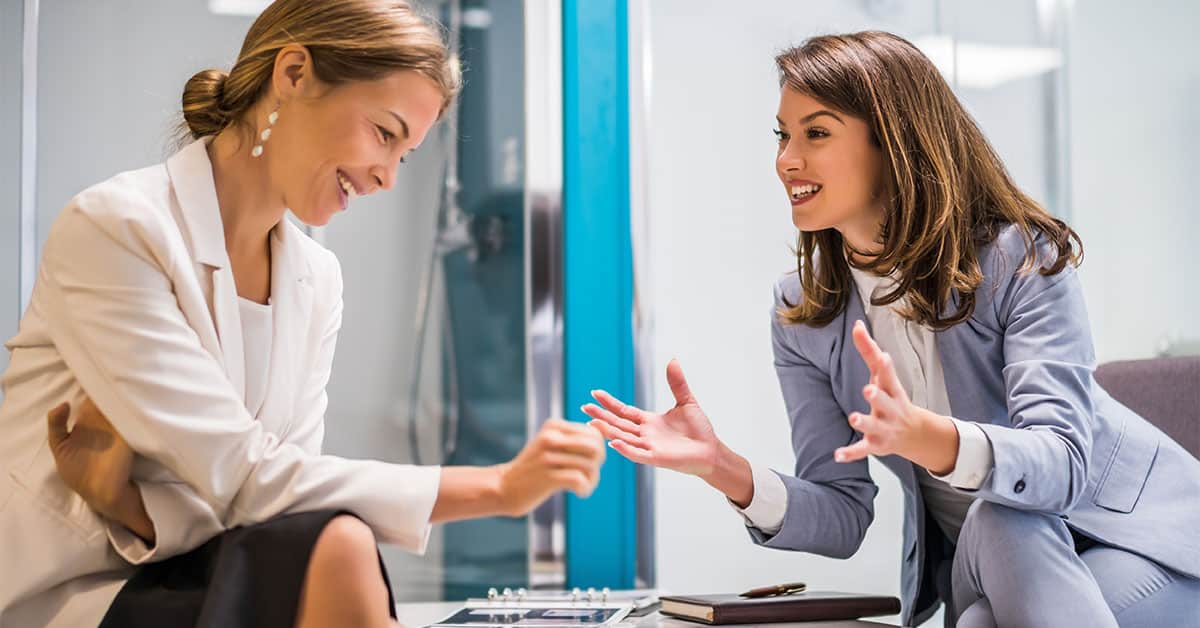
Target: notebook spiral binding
point(576, 597)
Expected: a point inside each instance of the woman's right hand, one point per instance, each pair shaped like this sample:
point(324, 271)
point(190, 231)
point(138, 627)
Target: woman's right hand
point(562, 456)
point(681, 439)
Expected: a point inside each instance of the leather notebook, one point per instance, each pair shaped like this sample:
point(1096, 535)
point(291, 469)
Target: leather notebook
point(806, 606)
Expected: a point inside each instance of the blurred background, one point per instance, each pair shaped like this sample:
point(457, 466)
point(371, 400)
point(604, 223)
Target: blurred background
point(477, 294)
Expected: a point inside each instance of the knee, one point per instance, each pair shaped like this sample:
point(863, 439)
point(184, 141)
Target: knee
point(998, 523)
point(343, 585)
point(345, 542)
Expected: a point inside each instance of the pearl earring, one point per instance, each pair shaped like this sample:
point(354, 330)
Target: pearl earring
point(257, 151)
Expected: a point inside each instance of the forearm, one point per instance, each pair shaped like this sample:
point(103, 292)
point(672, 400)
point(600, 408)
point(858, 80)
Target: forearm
point(732, 475)
point(467, 493)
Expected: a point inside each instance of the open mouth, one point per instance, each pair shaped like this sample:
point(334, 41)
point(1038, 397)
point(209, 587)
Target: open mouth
point(348, 191)
point(803, 193)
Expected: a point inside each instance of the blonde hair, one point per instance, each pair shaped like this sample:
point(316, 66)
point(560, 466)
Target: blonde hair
point(348, 40)
point(946, 192)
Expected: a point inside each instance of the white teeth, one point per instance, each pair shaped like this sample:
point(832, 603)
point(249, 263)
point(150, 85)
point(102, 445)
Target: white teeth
point(799, 190)
point(351, 193)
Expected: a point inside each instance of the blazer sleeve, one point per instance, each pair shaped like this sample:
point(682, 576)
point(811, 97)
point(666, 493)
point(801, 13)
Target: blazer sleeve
point(1042, 453)
point(830, 504)
point(105, 284)
point(182, 522)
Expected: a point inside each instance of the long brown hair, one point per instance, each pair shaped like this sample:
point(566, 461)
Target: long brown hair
point(349, 40)
point(946, 191)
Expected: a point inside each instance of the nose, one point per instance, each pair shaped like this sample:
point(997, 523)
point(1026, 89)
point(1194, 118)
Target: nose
point(383, 177)
point(790, 158)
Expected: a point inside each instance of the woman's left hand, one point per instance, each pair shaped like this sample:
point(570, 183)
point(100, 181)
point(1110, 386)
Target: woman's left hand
point(92, 458)
point(895, 425)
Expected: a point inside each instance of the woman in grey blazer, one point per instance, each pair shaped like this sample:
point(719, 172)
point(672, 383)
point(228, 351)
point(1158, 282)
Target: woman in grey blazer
point(936, 322)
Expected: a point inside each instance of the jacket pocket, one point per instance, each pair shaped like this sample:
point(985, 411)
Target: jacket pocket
point(1127, 471)
point(55, 499)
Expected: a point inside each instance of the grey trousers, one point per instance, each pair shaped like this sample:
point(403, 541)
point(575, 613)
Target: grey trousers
point(1019, 568)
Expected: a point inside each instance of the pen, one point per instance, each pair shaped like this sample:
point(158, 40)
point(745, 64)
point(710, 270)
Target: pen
point(778, 589)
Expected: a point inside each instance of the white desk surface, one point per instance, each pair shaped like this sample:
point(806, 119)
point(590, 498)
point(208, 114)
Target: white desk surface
point(417, 614)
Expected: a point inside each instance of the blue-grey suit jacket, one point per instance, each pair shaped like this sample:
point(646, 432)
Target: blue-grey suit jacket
point(1021, 367)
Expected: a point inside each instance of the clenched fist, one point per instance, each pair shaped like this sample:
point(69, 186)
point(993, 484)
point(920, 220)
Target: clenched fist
point(562, 456)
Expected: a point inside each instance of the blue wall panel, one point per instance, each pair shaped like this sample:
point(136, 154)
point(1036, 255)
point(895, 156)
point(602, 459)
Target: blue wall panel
point(598, 289)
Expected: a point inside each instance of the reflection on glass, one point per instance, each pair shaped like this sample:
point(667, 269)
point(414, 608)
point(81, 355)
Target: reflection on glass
point(1006, 63)
point(11, 16)
point(485, 295)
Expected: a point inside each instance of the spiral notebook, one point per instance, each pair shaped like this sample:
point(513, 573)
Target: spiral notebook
point(549, 609)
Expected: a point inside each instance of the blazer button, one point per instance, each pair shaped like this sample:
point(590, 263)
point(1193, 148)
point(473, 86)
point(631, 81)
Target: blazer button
point(1019, 487)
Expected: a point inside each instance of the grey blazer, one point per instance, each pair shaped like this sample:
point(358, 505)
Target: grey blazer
point(1021, 367)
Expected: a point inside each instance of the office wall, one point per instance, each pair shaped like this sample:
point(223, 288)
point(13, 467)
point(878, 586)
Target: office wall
point(1134, 76)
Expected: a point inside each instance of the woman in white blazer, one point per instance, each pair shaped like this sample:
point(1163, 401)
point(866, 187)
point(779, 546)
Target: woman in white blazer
point(176, 303)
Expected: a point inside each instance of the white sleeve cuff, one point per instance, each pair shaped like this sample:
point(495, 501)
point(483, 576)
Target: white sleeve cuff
point(409, 528)
point(128, 545)
point(182, 521)
point(769, 504)
point(974, 461)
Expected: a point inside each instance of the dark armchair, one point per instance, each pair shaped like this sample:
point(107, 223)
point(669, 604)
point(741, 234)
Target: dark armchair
point(1166, 391)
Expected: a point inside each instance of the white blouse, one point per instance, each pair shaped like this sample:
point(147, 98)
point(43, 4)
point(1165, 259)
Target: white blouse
point(257, 336)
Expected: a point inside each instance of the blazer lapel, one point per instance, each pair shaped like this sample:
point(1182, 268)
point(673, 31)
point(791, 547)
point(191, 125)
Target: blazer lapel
point(291, 302)
point(191, 176)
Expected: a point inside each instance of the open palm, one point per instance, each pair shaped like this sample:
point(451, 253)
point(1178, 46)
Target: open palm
point(681, 439)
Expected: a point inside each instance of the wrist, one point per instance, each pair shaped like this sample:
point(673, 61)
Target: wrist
point(731, 474)
point(938, 443)
point(494, 491)
point(111, 504)
point(130, 512)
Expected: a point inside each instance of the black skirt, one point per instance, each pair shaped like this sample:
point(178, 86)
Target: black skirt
point(249, 576)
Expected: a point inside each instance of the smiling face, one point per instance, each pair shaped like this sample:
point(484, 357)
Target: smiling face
point(332, 144)
point(830, 168)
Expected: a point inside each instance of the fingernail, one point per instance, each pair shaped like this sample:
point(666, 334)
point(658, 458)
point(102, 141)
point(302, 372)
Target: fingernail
point(839, 456)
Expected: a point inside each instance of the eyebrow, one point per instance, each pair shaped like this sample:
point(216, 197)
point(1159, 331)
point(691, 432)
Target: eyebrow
point(813, 116)
point(403, 124)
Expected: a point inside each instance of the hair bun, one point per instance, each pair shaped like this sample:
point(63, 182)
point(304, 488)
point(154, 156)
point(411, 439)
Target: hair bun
point(203, 98)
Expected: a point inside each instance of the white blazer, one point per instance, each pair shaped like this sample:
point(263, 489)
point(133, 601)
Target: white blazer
point(135, 306)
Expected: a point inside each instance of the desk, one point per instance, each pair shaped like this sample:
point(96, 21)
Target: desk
point(417, 614)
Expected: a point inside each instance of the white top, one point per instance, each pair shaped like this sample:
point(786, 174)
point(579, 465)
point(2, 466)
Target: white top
point(918, 365)
point(257, 334)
